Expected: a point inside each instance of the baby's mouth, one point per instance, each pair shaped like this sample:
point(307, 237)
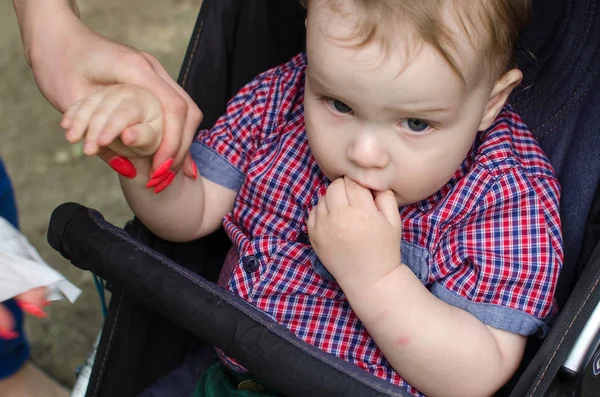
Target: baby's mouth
point(372, 188)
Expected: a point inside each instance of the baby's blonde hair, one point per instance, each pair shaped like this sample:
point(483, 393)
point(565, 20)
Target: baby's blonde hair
point(492, 26)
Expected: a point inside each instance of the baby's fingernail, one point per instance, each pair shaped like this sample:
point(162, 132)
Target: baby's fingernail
point(164, 184)
point(70, 136)
point(8, 335)
point(32, 309)
point(164, 167)
point(89, 148)
point(123, 166)
point(157, 180)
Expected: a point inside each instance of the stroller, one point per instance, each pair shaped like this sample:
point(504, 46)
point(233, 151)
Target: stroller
point(166, 314)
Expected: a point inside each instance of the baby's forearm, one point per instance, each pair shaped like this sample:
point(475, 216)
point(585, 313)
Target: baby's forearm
point(176, 213)
point(438, 348)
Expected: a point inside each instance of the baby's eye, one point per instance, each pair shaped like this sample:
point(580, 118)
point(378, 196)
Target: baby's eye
point(339, 106)
point(415, 125)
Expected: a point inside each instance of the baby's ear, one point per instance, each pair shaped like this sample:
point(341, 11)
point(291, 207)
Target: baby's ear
point(499, 96)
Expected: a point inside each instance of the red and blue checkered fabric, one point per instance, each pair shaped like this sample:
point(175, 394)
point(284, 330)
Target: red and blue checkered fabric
point(488, 242)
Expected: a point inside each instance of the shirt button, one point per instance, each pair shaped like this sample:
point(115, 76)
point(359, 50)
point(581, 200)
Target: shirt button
point(250, 264)
point(303, 238)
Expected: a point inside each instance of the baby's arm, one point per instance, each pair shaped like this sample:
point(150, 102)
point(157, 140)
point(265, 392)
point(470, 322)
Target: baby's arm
point(440, 349)
point(128, 119)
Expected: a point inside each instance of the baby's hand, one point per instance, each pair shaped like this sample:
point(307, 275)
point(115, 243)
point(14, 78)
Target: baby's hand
point(355, 235)
point(126, 118)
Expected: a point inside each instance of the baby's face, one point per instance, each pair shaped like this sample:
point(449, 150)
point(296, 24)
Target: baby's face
point(402, 120)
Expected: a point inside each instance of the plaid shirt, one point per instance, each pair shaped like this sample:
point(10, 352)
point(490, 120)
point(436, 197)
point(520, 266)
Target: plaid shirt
point(488, 242)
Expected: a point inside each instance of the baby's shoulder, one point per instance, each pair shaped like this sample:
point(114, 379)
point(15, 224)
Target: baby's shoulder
point(277, 94)
point(507, 144)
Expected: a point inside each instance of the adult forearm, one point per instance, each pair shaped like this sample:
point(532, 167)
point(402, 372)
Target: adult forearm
point(33, 17)
point(438, 348)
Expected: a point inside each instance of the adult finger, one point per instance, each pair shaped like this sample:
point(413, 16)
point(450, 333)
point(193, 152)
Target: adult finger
point(359, 196)
point(174, 107)
point(7, 323)
point(388, 205)
point(33, 301)
point(118, 163)
point(189, 166)
point(36, 296)
point(192, 119)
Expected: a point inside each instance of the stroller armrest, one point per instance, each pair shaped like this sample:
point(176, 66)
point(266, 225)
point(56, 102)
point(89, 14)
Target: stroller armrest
point(267, 349)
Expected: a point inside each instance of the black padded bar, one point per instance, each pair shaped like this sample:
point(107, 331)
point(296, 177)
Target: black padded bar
point(210, 312)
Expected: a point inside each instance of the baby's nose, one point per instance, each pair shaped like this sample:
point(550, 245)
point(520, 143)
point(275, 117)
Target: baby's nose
point(367, 152)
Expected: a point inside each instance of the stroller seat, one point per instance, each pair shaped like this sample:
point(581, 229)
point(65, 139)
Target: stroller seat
point(166, 313)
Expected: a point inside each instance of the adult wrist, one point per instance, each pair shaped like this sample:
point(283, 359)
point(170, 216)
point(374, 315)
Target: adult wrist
point(37, 19)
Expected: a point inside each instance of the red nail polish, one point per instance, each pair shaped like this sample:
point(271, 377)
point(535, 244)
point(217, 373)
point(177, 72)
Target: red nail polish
point(45, 303)
point(164, 167)
point(156, 181)
point(8, 335)
point(195, 171)
point(32, 309)
point(164, 184)
point(123, 166)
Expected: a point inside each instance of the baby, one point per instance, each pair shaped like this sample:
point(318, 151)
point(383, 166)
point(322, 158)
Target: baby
point(384, 202)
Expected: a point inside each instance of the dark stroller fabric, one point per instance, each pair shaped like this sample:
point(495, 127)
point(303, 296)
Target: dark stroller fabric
point(146, 335)
point(269, 350)
point(559, 101)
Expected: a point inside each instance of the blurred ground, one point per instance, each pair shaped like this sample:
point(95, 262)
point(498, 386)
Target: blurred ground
point(46, 171)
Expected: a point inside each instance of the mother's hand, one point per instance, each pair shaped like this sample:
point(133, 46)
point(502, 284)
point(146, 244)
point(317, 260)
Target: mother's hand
point(31, 302)
point(71, 61)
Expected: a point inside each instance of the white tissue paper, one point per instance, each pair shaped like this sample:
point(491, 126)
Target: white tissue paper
point(22, 268)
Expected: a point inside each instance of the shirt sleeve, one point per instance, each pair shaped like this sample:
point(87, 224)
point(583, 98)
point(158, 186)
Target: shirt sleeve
point(223, 153)
point(504, 256)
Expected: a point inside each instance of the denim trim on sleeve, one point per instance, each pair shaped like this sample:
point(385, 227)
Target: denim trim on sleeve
point(413, 256)
point(496, 316)
point(215, 168)
point(416, 258)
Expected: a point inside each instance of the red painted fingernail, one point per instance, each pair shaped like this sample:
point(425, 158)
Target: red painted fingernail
point(45, 303)
point(32, 309)
point(156, 181)
point(8, 335)
point(164, 167)
point(164, 184)
point(123, 166)
point(195, 171)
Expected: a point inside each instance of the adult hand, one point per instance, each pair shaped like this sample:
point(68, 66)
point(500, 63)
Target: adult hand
point(30, 302)
point(70, 61)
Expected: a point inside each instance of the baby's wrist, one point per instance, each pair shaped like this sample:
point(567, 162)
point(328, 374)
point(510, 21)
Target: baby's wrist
point(368, 299)
point(365, 284)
